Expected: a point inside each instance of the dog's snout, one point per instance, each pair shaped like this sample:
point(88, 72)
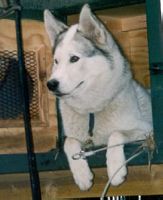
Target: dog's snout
point(53, 85)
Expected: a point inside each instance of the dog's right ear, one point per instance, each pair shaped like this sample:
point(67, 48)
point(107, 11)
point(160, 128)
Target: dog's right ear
point(53, 26)
point(90, 26)
point(93, 28)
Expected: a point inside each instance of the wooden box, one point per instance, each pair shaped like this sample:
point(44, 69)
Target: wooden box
point(42, 103)
point(128, 26)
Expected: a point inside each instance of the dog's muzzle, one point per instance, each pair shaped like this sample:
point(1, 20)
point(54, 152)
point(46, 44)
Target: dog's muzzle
point(53, 85)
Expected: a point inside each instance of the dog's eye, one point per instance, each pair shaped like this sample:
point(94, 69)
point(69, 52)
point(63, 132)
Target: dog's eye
point(56, 61)
point(74, 59)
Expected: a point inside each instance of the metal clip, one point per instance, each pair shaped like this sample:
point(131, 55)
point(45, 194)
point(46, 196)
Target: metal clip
point(156, 68)
point(80, 155)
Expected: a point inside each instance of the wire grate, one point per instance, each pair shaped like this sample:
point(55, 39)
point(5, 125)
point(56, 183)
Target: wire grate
point(10, 88)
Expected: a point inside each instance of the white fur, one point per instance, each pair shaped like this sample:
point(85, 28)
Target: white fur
point(121, 106)
point(80, 169)
point(69, 35)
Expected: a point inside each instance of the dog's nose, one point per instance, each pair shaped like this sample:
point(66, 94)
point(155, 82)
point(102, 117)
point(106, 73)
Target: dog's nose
point(53, 85)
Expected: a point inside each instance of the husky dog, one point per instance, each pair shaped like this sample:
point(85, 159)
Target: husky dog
point(90, 75)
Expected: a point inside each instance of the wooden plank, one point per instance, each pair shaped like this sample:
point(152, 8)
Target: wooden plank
point(120, 19)
point(44, 140)
point(139, 56)
point(124, 18)
point(60, 184)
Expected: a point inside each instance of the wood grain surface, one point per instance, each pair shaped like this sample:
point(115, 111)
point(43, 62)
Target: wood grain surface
point(140, 181)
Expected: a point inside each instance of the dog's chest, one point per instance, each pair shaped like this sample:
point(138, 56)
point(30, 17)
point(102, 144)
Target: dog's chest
point(78, 125)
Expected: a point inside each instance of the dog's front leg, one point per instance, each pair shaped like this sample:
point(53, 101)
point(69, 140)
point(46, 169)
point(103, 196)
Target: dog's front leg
point(115, 156)
point(80, 169)
point(115, 159)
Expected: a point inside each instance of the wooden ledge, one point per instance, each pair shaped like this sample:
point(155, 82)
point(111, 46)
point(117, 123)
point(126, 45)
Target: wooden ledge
point(60, 184)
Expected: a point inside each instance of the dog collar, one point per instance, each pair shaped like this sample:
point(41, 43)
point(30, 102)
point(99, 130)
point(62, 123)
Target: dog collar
point(91, 124)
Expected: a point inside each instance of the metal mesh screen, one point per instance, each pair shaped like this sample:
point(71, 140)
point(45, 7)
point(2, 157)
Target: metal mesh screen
point(10, 88)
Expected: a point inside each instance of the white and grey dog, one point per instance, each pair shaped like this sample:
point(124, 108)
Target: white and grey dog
point(90, 75)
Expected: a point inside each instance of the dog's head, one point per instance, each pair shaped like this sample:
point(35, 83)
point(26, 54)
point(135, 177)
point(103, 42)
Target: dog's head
point(82, 54)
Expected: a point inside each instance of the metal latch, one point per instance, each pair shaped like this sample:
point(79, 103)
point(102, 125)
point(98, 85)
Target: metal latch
point(156, 68)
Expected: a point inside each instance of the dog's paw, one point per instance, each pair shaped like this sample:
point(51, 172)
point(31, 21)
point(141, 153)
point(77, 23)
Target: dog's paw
point(117, 176)
point(83, 176)
point(116, 167)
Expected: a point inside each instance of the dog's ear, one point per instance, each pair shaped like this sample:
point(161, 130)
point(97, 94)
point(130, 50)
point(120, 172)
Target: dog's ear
point(53, 26)
point(92, 28)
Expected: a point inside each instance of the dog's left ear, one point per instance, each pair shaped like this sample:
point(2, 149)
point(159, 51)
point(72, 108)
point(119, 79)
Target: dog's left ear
point(91, 27)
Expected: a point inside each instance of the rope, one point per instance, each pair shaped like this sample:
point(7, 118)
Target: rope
point(84, 154)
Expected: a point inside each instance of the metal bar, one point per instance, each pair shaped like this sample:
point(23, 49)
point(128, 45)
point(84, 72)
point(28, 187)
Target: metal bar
point(71, 6)
point(56, 160)
point(155, 47)
point(34, 177)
